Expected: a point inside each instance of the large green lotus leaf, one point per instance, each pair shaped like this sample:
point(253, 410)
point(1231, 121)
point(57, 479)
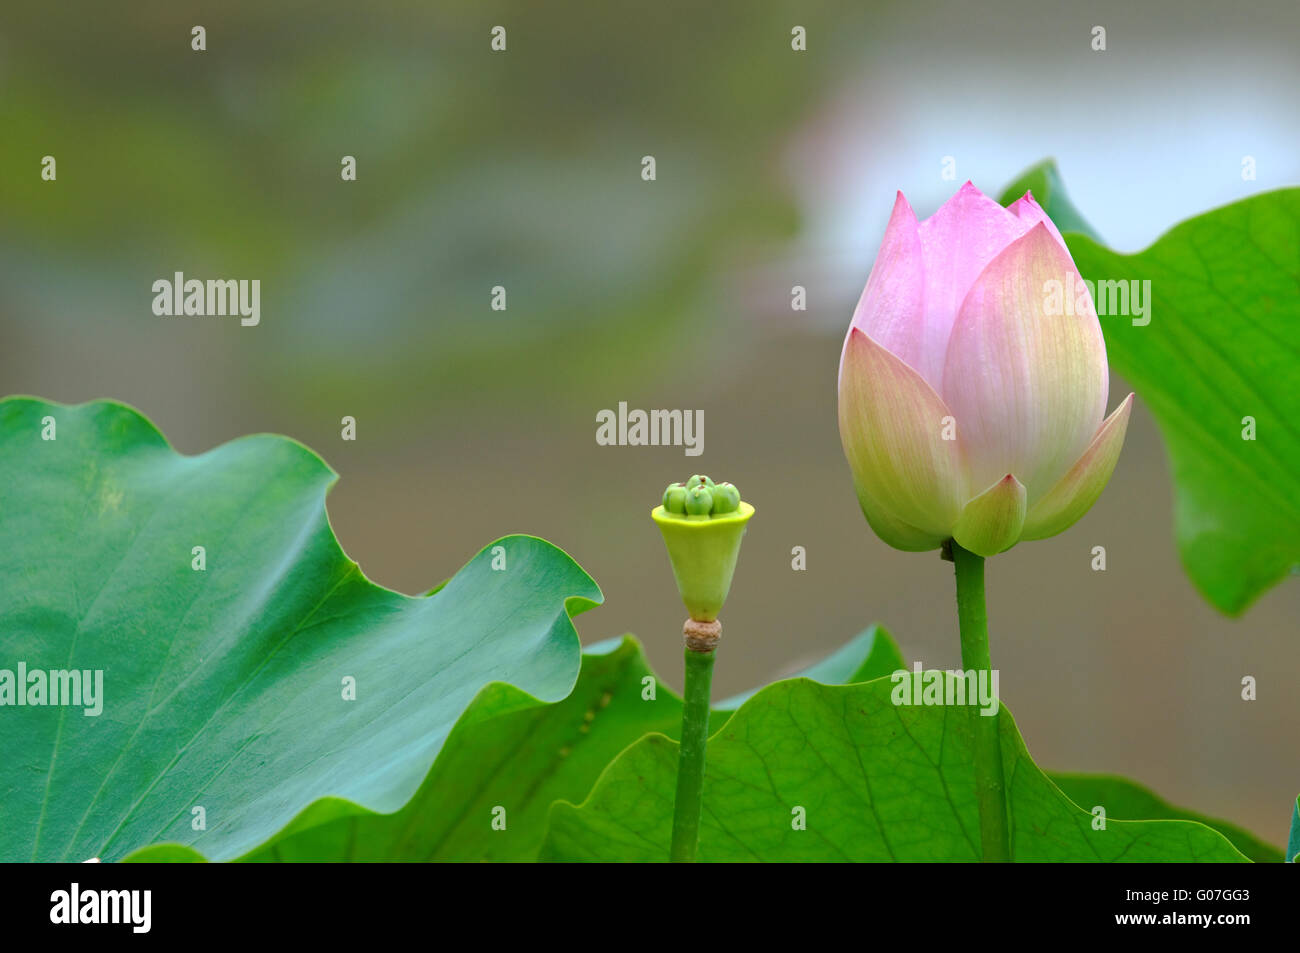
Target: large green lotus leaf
point(511, 753)
point(871, 654)
point(1222, 345)
point(1130, 801)
point(224, 689)
point(871, 781)
point(505, 763)
point(1293, 841)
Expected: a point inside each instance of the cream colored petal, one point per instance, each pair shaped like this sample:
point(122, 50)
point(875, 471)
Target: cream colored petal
point(992, 521)
point(1073, 495)
point(894, 531)
point(893, 427)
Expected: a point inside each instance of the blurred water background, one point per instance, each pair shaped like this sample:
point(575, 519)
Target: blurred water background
point(522, 169)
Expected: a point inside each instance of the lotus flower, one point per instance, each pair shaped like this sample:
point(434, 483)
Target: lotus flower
point(971, 407)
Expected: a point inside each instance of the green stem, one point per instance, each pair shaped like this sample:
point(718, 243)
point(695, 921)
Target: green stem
point(973, 620)
point(690, 766)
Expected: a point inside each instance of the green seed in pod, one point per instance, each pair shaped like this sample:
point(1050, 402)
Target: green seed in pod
point(700, 480)
point(726, 498)
point(699, 500)
point(675, 499)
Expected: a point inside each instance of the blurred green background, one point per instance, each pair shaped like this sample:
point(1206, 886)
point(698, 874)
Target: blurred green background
point(775, 168)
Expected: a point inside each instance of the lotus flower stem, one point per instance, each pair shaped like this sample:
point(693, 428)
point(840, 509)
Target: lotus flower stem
point(972, 619)
point(701, 646)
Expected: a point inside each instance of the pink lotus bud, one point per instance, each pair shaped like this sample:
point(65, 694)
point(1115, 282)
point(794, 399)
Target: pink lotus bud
point(973, 381)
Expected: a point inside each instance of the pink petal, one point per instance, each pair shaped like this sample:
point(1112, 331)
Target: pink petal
point(1027, 209)
point(992, 521)
point(892, 425)
point(1073, 495)
point(957, 242)
point(891, 309)
point(1028, 387)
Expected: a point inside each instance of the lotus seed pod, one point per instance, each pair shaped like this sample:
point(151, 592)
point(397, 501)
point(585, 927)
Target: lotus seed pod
point(703, 551)
point(675, 499)
point(726, 498)
point(699, 500)
point(700, 480)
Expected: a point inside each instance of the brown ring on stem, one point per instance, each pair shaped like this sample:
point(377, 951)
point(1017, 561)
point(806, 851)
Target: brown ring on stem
point(702, 636)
